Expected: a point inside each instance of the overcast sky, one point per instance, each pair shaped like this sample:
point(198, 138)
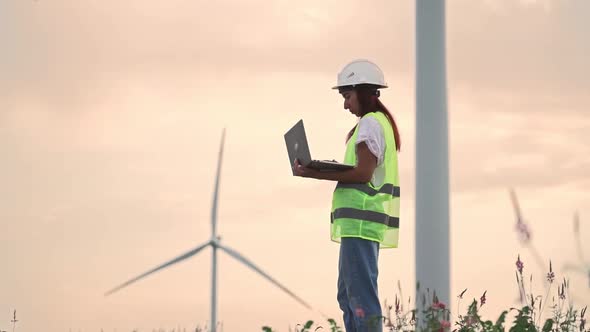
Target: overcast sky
point(111, 114)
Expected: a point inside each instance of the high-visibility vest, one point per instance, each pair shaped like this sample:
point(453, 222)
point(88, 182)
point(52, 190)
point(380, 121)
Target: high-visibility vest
point(362, 210)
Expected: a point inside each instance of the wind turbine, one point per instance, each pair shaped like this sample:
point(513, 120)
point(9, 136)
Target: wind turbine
point(215, 243)
point(432, 155)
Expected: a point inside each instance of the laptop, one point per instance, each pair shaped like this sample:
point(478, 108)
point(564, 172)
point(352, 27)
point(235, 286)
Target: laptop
point(297, 148)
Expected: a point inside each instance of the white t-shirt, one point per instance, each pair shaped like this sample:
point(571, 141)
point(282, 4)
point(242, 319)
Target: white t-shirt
point(370, 132)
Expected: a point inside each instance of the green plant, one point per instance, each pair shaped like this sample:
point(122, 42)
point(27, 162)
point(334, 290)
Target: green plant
point(436, 317)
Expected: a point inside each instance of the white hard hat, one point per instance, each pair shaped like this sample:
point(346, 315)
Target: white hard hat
point(360, 72)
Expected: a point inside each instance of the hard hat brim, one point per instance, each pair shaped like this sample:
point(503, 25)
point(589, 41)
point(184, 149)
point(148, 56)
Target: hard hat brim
point(379, 86)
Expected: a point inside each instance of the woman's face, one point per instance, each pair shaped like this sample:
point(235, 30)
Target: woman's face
point(351, 102)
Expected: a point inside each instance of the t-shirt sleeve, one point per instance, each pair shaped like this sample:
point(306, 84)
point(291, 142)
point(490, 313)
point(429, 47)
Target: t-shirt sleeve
point(371, 133)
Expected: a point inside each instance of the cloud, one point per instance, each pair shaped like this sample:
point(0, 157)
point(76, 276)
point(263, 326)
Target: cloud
point(520, 50)
point(513, 147)
point(71, 55)
point(506, 5)
point(188, 35)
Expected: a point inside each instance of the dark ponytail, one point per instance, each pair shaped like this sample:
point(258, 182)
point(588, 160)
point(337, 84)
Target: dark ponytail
point(368, 98)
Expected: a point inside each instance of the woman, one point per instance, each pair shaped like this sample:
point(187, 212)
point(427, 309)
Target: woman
point(365, 203)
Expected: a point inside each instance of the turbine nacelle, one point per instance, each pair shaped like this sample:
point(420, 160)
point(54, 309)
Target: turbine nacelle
point(215, 241)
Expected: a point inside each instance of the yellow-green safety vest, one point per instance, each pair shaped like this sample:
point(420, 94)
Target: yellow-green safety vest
point(362, 210)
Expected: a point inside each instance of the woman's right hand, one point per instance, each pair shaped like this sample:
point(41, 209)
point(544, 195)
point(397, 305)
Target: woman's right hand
point(303, 171)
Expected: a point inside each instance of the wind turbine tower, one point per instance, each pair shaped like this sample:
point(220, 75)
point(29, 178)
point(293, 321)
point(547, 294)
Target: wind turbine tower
point(432, 160)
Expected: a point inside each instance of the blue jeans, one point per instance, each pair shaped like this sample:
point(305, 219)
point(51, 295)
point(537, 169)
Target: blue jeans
point(357, 285)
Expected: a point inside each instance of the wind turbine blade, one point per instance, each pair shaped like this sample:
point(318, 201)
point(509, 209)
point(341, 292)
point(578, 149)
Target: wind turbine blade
point(577, 235)
point(245, 261)
point(576, 268)
point(216, 190)
point(581, 269)
point(171, 262)
point(515, 205)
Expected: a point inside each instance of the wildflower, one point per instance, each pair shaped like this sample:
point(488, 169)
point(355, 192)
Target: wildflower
point(463, 292)
point(582, 319)
point(470, 320)
point(359, 312)
point(438, 305)
point(550, 275)
point(397, 307)
point(483, 298)
point(519, 265)
point(561, 292)
point(444, 325)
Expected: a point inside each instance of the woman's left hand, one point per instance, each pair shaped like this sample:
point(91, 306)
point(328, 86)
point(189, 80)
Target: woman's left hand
point(303, 171)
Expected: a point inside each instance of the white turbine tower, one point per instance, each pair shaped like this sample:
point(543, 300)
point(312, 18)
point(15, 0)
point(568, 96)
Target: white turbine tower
point(432, 160)
point(215, 243)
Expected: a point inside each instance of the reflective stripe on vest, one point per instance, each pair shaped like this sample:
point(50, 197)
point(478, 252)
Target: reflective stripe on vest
point(387, 188)
point(373, 216)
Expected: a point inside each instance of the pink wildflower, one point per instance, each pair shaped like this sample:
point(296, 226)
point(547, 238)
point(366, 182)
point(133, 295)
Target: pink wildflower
point(359, 312)
point(550, 275)
point(438, 305)
point(519, 265)
point(444, 325)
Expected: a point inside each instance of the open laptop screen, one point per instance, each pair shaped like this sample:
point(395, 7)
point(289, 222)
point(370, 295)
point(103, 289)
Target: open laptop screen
point(297, 146)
